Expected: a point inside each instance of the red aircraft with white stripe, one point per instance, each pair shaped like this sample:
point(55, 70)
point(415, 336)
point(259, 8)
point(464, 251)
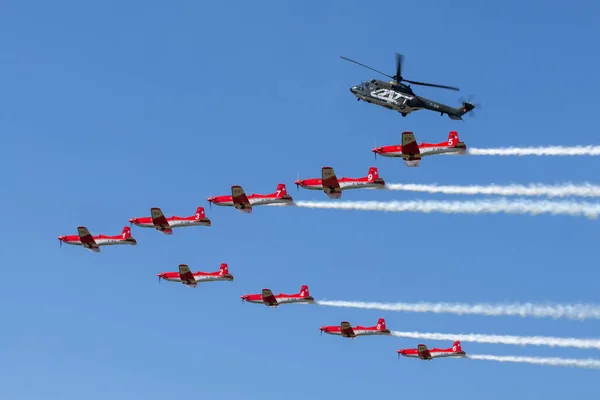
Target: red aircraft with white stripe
point(270, 300)
point(348, 331)
point(191, 279)
point(244, 203)
point(412, 153)
point(333, 186)
point(423, 353)
point(93, 243)
point(166, 224)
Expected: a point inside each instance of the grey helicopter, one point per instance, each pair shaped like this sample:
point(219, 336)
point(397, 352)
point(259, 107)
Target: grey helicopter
point(395, 95)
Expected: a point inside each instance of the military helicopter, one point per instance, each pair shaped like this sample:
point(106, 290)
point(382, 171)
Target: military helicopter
point(400, 97)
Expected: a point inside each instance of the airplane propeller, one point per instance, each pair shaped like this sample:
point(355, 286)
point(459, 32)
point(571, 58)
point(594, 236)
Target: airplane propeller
point(398, 77)
point(60, 243)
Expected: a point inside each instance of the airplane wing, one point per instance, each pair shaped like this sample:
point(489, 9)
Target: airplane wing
point(160, 222)
point(268, 298)
point(240, 200)
point(423, 352)
point(87, 239)
point(347, 330)
point(186, 275)
point(330, 183)
point(410, 150)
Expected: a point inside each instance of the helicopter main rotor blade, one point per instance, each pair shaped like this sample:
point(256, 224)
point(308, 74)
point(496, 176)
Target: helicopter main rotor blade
point(399, 63)
point(431, 84)
point(366, 66)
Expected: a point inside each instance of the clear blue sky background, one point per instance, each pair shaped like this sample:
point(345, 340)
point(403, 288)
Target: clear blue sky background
point(109, 109)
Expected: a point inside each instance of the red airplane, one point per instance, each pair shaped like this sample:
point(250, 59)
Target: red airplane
point(191, 279)
point(332, 186)
point(423, 353)
point(243, 203)
point(93, 243)
point(270, 300)
point(412, 153)
point(347, 331)
point(166, 224)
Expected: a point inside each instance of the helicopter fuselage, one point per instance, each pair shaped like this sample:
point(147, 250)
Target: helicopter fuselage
point(398, 97)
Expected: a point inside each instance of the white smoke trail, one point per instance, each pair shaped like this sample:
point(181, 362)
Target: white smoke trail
point(505, 339)
point(538, 151)
point(571, 208)
point(564, 190)
point(554, 361)
point(568, 311)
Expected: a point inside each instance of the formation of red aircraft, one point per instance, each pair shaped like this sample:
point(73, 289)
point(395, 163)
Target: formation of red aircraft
point(331, 185)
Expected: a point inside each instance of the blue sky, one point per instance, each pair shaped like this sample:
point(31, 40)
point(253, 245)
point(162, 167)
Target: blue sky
point(111, 108)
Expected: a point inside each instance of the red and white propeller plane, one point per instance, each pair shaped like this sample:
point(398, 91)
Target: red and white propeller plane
point(243, 203)
point(412, 153)
point(270, 300)
point(348, 331)
point(93, 243)
point(333, 186)
point(191, 279)
point(423, 353)
point(166, 224)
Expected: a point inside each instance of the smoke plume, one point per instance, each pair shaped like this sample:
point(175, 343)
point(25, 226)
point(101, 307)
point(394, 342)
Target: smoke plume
point(567, 311)
point(530, 207)
point(505, 339)
point(561, 190)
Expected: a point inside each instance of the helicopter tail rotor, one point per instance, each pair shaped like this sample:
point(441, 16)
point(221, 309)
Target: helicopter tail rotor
point(468, 105)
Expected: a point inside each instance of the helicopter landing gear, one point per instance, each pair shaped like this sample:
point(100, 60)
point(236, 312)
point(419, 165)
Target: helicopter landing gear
point(404, 114)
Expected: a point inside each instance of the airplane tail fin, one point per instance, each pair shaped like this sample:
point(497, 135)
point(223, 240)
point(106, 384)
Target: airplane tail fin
point(126, 233)
point(200, 213)
point(304, 291)
point(282, 191)
point(381, 324)
point(373, 175)
point(456, 346)
point(453, 139)
point(224, 270)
